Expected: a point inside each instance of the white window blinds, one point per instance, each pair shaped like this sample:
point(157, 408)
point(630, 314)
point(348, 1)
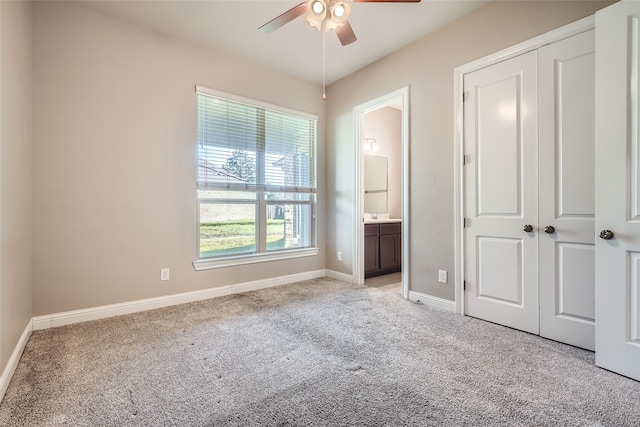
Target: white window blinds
point(246, 145)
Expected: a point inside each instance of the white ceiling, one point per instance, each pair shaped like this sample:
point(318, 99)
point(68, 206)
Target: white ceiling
point(296, 48)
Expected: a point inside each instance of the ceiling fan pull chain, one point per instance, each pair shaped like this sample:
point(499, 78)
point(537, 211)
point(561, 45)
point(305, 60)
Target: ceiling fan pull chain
point(324, 60)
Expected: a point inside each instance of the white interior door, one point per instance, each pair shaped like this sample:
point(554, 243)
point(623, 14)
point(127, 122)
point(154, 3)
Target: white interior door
point(617, 162)
point(501, 195)
point(566, 79)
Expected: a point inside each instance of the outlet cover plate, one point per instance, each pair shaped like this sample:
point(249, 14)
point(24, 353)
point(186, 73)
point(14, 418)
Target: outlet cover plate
point(442, 276)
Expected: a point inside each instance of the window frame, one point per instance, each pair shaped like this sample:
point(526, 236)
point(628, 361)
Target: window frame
point(261, 253)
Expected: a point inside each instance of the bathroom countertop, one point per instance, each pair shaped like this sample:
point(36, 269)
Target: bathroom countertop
point(381, 221)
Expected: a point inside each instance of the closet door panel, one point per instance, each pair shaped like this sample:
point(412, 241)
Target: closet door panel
point(500, 179)
point(618, 188)
point(566, 72)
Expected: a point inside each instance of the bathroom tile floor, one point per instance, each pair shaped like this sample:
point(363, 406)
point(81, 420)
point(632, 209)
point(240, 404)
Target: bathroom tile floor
point(389, 282)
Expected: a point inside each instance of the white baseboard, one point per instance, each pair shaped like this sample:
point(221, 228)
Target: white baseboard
point(12, 364)
point(343, 277)
point(105, 311)
point(441, 303)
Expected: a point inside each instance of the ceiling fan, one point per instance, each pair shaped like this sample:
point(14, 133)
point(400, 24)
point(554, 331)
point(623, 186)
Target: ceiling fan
point(332, 13)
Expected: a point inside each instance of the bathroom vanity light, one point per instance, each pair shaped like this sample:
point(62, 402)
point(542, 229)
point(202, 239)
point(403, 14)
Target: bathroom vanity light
point(370, 144)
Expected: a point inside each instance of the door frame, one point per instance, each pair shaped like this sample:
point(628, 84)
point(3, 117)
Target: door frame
point(535, 43)
point(402, 96)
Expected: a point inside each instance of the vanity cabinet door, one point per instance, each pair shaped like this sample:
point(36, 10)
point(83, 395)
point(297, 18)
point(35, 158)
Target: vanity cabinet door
point(390, 246)
point(371, 249)
point(389, 252)
point(371, 254)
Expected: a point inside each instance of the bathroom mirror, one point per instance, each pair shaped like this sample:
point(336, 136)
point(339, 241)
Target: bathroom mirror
point(375, 184)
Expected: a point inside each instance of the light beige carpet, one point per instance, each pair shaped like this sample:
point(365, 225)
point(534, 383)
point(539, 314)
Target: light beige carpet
point(316, 353)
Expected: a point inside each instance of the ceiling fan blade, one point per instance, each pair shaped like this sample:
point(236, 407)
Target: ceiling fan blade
point(387, 1)
point(285, 18)
point(345, 34)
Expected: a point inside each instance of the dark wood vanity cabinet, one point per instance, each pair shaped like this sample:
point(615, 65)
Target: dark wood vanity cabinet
point(382, 248)
point(371, 249)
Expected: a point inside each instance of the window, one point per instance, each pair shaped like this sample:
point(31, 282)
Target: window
point(256, 178)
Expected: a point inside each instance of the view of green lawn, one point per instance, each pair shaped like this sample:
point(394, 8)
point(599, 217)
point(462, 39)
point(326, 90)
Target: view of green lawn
point(237, 237)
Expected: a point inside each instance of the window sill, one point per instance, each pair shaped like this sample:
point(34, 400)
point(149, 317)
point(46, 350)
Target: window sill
point(208, 264)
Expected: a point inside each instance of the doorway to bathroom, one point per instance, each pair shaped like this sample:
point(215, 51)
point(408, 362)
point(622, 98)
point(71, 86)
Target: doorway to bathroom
point(381, 257)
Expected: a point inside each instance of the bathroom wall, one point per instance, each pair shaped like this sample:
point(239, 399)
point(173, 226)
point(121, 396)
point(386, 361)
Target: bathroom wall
point(385, 126)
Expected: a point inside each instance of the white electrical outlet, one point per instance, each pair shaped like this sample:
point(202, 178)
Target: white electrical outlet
point(339, 256)
point(442, 276)
point(164, 274)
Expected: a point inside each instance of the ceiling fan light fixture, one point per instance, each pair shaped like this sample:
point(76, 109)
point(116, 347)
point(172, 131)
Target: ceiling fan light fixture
point(317, 6)
point(338, 14)
point(316, 13)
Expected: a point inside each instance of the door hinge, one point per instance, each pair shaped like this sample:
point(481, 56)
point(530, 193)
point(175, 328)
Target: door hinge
point(464, 222)
point(464, 96)
point(465, 159)
point(464, 285)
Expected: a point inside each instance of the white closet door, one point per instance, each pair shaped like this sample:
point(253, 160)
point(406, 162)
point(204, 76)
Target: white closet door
point(566, 84)
point(618, 188)
point(500, 113)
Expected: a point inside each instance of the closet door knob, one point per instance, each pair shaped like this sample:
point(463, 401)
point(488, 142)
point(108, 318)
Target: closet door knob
point(528, 228)
point(549, 229)
point(606, 234)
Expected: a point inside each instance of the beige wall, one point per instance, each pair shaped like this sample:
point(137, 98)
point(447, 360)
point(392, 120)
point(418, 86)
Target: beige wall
point(15, 174)
point(427, 67)
point(385, 126)
point(115, 158)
